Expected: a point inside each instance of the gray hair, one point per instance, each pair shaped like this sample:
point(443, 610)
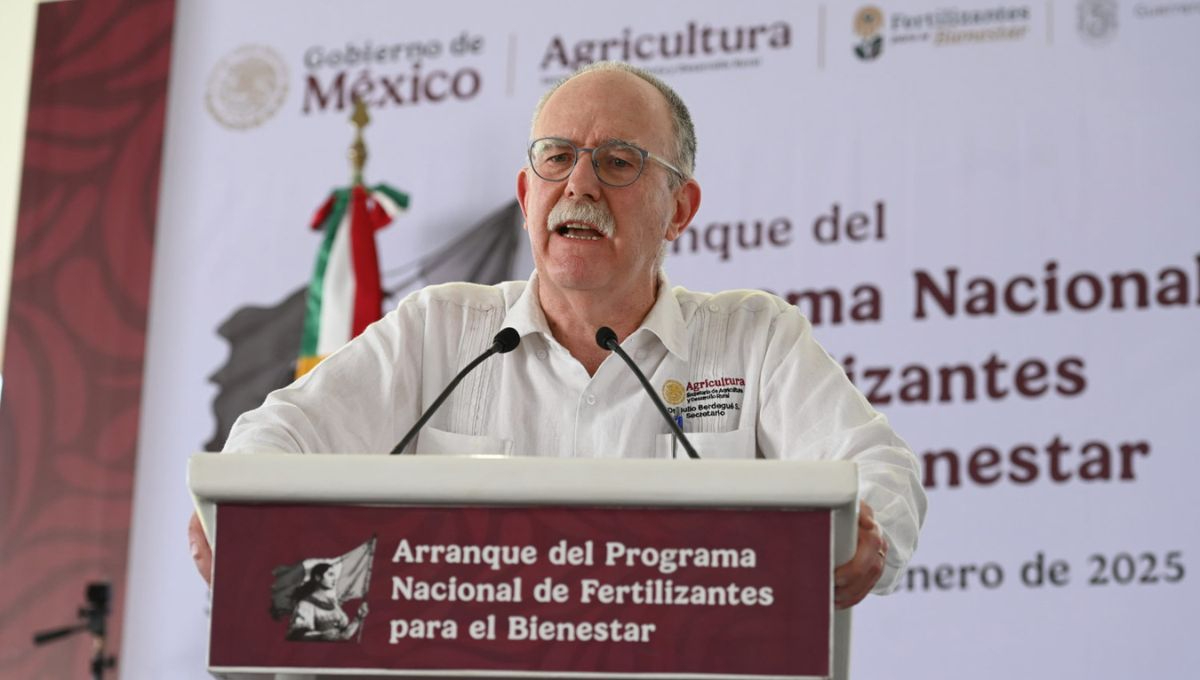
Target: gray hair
point(685, 132)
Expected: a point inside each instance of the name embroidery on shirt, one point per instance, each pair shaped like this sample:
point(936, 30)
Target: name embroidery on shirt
point(704, 397)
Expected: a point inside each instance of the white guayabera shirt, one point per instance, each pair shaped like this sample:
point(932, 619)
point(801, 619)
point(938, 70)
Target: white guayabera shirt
point(741, 369)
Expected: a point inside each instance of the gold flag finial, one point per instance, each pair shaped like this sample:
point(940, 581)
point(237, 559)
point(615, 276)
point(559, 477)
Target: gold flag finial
point(358, 150)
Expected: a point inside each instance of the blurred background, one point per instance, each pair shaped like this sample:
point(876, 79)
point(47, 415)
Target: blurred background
point(987, 210)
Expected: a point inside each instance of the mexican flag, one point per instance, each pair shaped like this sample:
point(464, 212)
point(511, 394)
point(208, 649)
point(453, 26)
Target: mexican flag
point(345, 294)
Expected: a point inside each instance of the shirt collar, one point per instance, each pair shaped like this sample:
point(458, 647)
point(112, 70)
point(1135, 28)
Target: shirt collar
point(526, 315)
point(665, 319)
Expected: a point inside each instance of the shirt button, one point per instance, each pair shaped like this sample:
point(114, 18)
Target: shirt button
point(714, 308)
point(541, 354)
point(591, 399)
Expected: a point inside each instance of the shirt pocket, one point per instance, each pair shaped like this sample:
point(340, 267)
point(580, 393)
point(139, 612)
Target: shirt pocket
point(435, 442)
point(735, 445)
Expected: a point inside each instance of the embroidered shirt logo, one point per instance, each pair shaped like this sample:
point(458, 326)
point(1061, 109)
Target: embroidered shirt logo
point(673, 392)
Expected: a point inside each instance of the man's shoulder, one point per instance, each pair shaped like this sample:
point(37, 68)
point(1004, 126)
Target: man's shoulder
point(736, 301)
point(469, 295)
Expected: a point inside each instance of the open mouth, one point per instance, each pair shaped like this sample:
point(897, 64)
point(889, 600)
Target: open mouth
point(579, 232)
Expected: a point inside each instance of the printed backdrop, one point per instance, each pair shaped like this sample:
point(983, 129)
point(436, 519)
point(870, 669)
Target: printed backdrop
point(987, 209)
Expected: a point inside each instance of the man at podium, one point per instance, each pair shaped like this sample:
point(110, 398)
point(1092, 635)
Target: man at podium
point(608, 184)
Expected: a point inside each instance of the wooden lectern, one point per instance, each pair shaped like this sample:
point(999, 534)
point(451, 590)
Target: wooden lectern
point(525, 567)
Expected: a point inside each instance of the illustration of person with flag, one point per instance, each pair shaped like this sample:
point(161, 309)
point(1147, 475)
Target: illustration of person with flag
point(312, 595)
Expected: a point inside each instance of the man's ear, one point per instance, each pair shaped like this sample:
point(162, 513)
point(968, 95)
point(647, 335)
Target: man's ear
point(687, 202)
point(522, 192)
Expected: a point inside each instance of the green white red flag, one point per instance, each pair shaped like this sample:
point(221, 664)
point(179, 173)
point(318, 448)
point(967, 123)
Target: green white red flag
point(346, 293)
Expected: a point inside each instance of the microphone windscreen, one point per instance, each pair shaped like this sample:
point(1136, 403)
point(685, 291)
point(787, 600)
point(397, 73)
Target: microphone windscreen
point(605, 337)
point(508, 339)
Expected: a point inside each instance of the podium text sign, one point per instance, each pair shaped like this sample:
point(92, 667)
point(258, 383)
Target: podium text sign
point(525, 567)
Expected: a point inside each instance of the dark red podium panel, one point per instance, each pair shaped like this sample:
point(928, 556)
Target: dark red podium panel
point(524, 589)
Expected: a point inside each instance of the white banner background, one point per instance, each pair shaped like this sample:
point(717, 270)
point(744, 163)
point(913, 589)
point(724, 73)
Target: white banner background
point(994, 148)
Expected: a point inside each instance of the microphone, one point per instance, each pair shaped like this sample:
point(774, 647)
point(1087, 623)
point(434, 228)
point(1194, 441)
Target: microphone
point(505, 341)
point(607, 339)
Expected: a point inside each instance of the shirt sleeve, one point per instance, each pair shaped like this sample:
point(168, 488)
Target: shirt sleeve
point(811, 411)
point(355, 401)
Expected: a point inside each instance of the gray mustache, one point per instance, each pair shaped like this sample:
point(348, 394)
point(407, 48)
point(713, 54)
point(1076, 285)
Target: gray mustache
point(594, 214)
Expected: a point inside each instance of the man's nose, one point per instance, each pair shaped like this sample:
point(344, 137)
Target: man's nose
point(582, 182)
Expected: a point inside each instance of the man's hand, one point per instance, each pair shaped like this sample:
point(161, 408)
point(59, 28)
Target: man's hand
point(201, 553)
point(854, 579)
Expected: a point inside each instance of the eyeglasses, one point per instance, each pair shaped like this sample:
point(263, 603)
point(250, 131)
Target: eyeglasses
point(617, 164)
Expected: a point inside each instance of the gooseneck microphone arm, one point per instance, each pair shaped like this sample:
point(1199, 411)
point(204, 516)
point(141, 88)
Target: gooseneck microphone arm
point(505, 341)
point(607, 339)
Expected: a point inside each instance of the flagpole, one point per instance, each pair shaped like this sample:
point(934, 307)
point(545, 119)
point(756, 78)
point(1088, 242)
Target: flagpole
point(358, 150)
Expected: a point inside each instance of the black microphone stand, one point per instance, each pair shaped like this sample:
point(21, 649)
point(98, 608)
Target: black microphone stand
point(95, 617)
point(607, 339)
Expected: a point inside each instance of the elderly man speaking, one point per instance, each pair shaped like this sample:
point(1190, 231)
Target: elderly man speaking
point(607, 185)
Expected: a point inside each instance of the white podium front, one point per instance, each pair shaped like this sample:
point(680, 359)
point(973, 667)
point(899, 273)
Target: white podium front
point(441, 566)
